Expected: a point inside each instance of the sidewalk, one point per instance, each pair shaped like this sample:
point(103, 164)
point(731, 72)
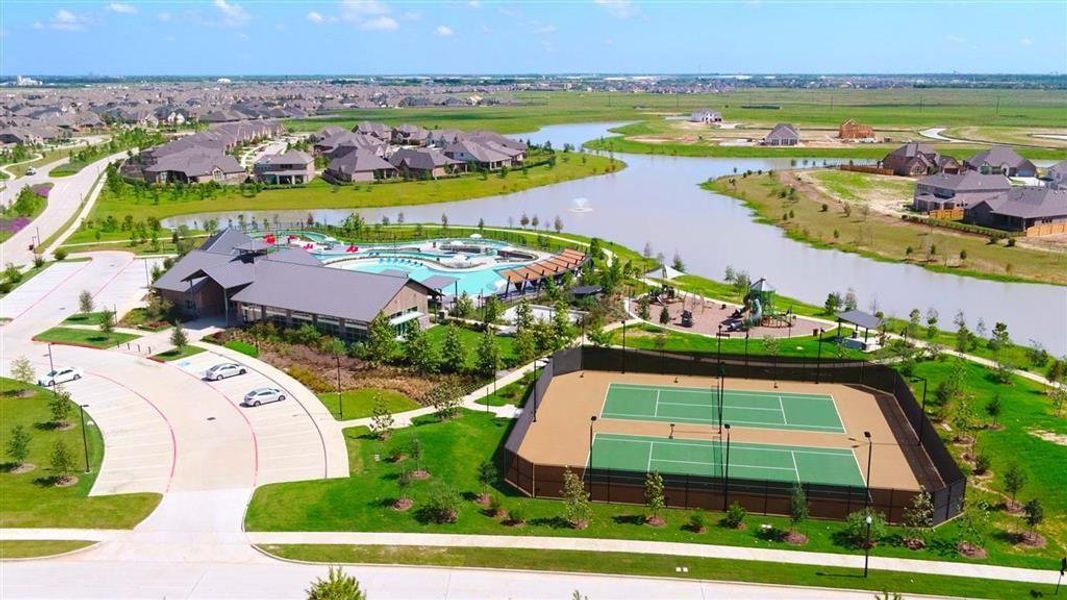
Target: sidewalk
point(855, 561)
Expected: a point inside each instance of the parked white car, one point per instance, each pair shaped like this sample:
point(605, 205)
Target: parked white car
point(263, 396)
point(58, 376)
point(223, 370)
point(31, 171)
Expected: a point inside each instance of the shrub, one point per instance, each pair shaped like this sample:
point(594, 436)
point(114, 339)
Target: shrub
point(60, 253)
point(735, 516)
point(516, 515)
point(982, 462)
point(698, 521)
point(856, 527)
point(310, 379)
point(442, 505)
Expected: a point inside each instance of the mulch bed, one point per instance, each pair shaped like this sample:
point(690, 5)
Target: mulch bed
point(1029, 539)
point(420, 474)
point(402, 504)
point(795, 538)
point(66, 481)
point(23, 468)
point(970, 550)
point(656, 521)
point(914, 543)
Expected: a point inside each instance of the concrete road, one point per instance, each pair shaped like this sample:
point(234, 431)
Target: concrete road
point(63, 202)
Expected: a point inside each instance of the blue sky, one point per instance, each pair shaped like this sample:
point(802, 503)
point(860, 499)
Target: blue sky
point(233, 37)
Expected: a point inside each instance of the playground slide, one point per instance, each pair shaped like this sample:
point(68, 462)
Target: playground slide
point(755, 314)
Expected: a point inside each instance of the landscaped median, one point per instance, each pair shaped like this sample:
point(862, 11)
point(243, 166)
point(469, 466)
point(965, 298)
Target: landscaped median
point(43, 484)
point(89, 338)
point(658, 565)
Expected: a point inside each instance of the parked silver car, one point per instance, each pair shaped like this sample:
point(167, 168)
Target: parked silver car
point(223, 370)
point(58, 376)
point(263, 396)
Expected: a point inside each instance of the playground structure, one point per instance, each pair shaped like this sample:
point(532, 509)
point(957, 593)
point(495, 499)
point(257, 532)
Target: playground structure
point(759, 310)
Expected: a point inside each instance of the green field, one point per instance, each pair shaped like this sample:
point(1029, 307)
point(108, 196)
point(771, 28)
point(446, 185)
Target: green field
point(679, 404)
point(38, 548)
point(29, 500)
point(707, 458)
point(360, 403)
point(175, 354)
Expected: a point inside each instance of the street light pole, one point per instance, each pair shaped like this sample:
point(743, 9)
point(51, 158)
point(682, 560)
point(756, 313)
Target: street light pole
point(624, 346)
point(726, 473)
point(589, 467)
point(746, 348)
point(85, 438)
point(340, 400)
point(867, 545)
point(818, 359)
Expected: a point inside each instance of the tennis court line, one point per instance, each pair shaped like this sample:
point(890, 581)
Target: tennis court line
point(733, 465)
point(701, 421)
point(693, 390)
point(796, 470)
point(669, 403)
point(781, 405)
point(656, 409)
point(651, 445)
point(833, 401)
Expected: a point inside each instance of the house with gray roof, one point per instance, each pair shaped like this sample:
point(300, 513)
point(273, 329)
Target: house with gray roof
point(1056, 176)
point(424, 163)
point(245, 282)
point(915, 159)
point(195, 166)
point(705, 115)
point(783, 134)
point(1031, 209)
point(947, 191)
point(288, 168)
point(1002, 160)
point(359, 165)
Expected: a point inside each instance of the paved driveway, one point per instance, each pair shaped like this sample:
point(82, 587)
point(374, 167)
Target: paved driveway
point(289, 445)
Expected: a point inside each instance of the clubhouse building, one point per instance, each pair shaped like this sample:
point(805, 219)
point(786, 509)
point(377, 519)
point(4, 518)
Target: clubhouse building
point(245, 281)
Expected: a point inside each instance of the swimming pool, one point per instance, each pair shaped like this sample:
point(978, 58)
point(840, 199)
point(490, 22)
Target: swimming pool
point(474, 282)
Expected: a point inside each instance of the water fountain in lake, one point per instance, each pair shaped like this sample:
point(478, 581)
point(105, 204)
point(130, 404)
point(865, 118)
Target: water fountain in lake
point(581, 205)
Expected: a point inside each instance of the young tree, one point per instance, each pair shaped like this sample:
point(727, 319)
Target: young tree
point(654, 499)
point(442, 504)
point(85, 302)
point(107, 322)
point(562, 327)
point(525, 345)
point(453, 355)
point(576, 499)
point(856, 527)
point(1035, 514)
point(1014, 480)
point(337, 586)
point(918, 518)
point(59, 407)
point(415, 449)
point(1000, 338)
point(381, 339)
point(735, 516)
point(912, 329)
point(420, 351)
point(644, 307)
point(445, 400)
point(487, 475)
point(22, 372)
point(488, 361)
point(62, 461)
point(664, 316)
point(464, 307)
point(178, 338)
point(523, 314)
point(931, 323)
point(381, 421)
point(1058, 397)
point(993, 408)
point(798, 507)
point(832, 304)
point(18, 445)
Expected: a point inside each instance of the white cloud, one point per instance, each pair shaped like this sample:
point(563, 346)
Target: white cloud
point(545, 30)
point(233, 14)
point(119, 7)
point(382, 23)
point(620, 9)
point(369, 15)
point(315, 17)
point(955, 39)
point(163, 16)
point(444, 31)
point(1026, 42)
point(474, 4)
point(64, 20)
point(412, 15)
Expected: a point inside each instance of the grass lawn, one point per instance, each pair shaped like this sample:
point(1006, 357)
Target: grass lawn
point(470, 338)
point(644, 336)
point(92, 318)
point(454, 450)
point(84, 337)
point(856, 187)
point(29, 500)
point(883, 237)
point(243, 347)
point(175, 354)
point(319, 194)
point(360, 403)
point(513, 393)
point(652, 565)
point(1027, 415)
point(138, 318)
point(38, 548)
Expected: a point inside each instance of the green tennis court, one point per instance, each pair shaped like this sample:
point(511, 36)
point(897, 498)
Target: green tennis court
point(770, 410)
point(830, 466)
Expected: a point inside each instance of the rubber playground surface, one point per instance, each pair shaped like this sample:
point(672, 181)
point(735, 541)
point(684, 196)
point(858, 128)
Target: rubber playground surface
point(829, 466)
point(745, 408)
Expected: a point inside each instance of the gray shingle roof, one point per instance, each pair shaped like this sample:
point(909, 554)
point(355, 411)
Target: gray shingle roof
point(1030, 203)
point(967, 181)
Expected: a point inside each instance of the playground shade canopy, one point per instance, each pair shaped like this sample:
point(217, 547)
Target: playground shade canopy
point(858, 317)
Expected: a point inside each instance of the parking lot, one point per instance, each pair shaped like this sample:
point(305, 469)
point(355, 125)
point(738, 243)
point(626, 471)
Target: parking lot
point(289, 446)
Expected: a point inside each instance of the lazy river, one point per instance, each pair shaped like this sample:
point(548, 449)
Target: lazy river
point(657, 199)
